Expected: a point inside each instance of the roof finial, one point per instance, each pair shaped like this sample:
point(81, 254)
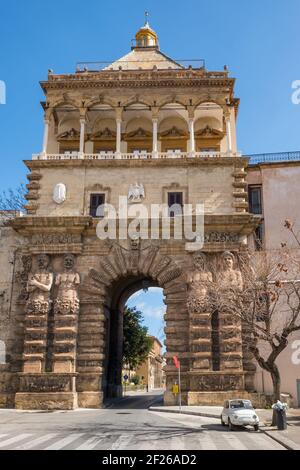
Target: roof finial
point(146, 37)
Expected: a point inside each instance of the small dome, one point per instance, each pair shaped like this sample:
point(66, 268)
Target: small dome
point(146, 37)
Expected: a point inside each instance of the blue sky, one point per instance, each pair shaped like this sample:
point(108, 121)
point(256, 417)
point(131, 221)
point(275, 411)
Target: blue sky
point(151, 304)
point(257, 39)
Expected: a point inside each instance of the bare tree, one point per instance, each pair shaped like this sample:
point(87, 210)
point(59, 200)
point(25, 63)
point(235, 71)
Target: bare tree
point(268, 307)
point(12, 200)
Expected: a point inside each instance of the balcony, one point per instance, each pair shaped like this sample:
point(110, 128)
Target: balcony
point(133, 156)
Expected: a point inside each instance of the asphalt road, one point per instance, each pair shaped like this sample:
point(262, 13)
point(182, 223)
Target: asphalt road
point(126, 425)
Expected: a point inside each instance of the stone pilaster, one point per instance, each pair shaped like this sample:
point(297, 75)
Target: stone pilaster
point(230, 333)
point(200, 341)
point(91, 355)
point(35, 341)
point(65, 338)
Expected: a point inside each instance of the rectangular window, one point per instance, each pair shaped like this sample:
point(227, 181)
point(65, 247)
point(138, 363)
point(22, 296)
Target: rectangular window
point(96, 201)
point(175, 203)
point(255, 199)
point(259, 237)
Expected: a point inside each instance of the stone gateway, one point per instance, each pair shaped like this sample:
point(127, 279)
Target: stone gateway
point(155, 132)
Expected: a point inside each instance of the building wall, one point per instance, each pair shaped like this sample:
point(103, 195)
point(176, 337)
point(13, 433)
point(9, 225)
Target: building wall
point(280, 195)
point(10, 243)
point(280, 199)
point(289, 366)
point(201, 184)
point(152, 367)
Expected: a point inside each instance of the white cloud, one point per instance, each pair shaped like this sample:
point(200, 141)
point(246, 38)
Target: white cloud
point(153, 312)
point(140, 306)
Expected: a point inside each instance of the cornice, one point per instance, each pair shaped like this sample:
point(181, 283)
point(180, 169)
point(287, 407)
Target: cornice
point(239, 162)
point(138, 79)
point(241, 223)
point(36, 224)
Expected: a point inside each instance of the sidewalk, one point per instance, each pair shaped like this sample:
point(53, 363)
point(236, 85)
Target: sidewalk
point(289, 438)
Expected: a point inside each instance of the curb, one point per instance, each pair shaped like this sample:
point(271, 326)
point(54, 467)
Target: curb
point(193, 413)
point(285, 442)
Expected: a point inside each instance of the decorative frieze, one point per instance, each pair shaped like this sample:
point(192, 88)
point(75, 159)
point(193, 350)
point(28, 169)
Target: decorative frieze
point(55, 238)
point(217, 382)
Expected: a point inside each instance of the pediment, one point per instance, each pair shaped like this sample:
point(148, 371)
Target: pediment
point(208, 132)
point(139, 133)
point(71, 134)
point(105, 134)
point(173, 132)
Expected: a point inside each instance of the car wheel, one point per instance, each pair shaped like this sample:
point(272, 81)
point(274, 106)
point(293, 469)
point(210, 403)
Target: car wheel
point(230, 425)
point(256, 427)
point(222, 422)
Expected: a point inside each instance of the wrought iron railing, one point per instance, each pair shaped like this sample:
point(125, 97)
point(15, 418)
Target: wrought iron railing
point(255, 159)
point(195, 64)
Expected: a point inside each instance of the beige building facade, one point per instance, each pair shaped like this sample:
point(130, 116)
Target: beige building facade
point(273, 187)
point(151, 372)
point(153, 131)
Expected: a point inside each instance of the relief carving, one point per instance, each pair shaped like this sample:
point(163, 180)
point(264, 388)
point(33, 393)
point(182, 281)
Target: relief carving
point(221, 237)
point(218, 383)
point(230, 278)
point(55, 238)
point(198, 282)
point(23, 277)
point(38, 287)
point(169, 275)
point(136, 193)
point(67, 300)
point(159, 266)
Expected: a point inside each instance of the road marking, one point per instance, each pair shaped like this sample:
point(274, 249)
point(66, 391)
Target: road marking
point(177, 443)
point(64, 442)
point(121, 443)
point(36, 442)
point(234, 442)
point(91, 443)
point(264, 441)
point(206, 442)
point(12, 440)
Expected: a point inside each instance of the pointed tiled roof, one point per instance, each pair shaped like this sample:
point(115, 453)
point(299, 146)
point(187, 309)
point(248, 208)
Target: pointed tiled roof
point(144, 59)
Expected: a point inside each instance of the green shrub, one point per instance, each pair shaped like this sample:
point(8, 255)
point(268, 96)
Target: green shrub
point(135, 379)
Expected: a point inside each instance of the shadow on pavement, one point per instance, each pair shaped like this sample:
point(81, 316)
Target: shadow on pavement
point(137, 402)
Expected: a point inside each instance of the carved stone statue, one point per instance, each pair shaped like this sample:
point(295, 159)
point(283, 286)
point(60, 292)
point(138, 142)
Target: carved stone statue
point(136, 193)
point(198, 282)
point(67, 300)
point(230, 278)
point(39, 286)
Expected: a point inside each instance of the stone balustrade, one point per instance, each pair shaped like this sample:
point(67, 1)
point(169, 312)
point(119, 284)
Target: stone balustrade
point(131, 156)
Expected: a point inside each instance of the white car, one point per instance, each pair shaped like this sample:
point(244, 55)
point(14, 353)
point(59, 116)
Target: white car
point(239, 413)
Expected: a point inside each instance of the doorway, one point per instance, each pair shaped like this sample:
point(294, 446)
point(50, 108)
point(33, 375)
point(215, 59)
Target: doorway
point(134, 291)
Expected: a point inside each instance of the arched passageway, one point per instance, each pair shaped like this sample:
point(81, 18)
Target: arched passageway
point(121, 291)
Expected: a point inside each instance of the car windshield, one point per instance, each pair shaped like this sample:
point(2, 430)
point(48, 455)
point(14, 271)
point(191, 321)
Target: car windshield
point(241, 404)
